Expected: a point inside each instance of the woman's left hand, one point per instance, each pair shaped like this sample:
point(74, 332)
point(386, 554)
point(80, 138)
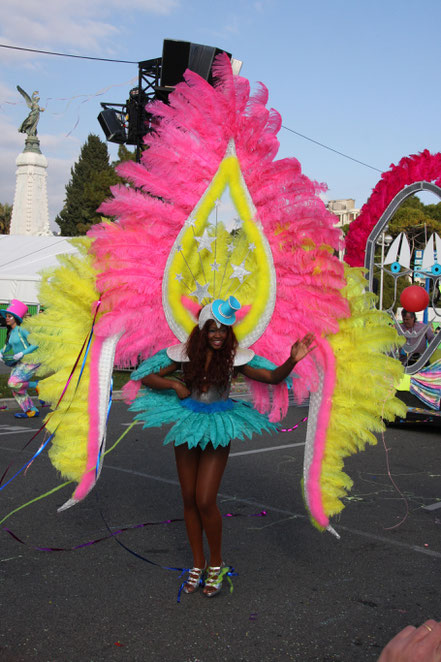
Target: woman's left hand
point(301, 348)
point(18, 356)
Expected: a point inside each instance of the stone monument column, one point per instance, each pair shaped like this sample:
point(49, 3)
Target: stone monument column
point(30, 214)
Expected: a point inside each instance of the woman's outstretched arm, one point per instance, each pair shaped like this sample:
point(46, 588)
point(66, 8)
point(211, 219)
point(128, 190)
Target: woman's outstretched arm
point(299, 350)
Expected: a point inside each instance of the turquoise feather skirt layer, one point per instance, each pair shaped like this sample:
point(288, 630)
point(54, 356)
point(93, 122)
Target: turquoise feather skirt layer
point(194, 423)
point(216, 426)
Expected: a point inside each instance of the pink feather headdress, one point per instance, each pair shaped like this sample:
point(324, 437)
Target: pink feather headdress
point(183, 155)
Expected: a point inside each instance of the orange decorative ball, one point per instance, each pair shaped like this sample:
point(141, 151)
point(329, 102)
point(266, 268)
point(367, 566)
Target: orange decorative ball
point(414, 298)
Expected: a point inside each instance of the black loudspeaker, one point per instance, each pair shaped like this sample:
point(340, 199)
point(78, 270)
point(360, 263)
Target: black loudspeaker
point(201, 60)
point(177, 56)
point(113, 126)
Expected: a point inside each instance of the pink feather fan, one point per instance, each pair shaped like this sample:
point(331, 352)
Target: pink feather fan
point(183, 155)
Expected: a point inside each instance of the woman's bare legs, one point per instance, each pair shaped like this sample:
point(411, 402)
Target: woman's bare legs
point(187, 462)
point(211, 469)
point(200, 473)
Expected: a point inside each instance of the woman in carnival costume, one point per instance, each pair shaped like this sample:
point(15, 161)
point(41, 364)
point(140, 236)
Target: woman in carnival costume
point(16, 347)
point(212, 215)
point(206, 420)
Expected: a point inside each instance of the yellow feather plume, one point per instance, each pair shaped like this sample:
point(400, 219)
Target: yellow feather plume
point(364, 393)
point(67, 294)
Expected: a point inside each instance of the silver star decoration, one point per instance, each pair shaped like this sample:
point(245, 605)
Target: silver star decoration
point(252, 247)
point(191, 222)
point(205, 241)
point(201, 292)
point(215, 266)
point(237, 223)
point(231, 248)
point(179, 277)
point(239, 272)
point(179, 248)
point(217, 203)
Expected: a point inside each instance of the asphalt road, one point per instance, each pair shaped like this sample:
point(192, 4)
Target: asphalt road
point(299, 595)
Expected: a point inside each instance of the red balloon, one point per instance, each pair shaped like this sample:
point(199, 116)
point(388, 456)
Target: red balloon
point(414, 298)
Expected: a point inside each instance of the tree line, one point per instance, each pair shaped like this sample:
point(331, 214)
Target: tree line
point(418, 221)
point(93, 174)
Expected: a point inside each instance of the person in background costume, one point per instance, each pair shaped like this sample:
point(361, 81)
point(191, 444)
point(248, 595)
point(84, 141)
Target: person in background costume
point(16, 347)
point(417, 336)
point(209, 360)
point(8, 331)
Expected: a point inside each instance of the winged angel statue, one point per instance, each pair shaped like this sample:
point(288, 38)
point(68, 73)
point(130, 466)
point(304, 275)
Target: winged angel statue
point(29, 125)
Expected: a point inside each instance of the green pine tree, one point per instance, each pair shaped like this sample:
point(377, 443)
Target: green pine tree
point(91, 179)
point(124, 154)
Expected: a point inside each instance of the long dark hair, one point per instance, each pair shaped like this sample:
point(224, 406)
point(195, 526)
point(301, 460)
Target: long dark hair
point(9, 328)
point(221, 364)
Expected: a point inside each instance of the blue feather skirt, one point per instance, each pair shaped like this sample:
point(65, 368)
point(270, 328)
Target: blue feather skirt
point(199, 424)
point(195, 423)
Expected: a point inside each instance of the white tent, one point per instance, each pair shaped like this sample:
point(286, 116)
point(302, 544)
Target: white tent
point(22, 257)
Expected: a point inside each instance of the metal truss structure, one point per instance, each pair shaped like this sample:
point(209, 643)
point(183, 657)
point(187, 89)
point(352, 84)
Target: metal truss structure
point(132, 120)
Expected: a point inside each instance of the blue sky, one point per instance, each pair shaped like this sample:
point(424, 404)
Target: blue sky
point(360, 77)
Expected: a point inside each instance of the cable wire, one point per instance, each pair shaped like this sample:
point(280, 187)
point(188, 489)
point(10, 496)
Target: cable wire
point(22, 257)
point(104, 59)
point(80, 57)
point(331, 149)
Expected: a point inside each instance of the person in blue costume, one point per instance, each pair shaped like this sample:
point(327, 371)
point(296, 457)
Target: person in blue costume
point(206, 420)
point(16, 347)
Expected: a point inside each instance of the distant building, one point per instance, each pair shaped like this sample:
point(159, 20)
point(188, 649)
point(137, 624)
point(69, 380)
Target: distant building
point(344, 210)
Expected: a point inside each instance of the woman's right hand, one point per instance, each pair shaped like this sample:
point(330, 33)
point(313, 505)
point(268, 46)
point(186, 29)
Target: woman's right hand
point(181, 390)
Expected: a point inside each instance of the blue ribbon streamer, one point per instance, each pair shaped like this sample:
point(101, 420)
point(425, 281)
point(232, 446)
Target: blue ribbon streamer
point(40, 450)
point(231, 572)
point(100, 452)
